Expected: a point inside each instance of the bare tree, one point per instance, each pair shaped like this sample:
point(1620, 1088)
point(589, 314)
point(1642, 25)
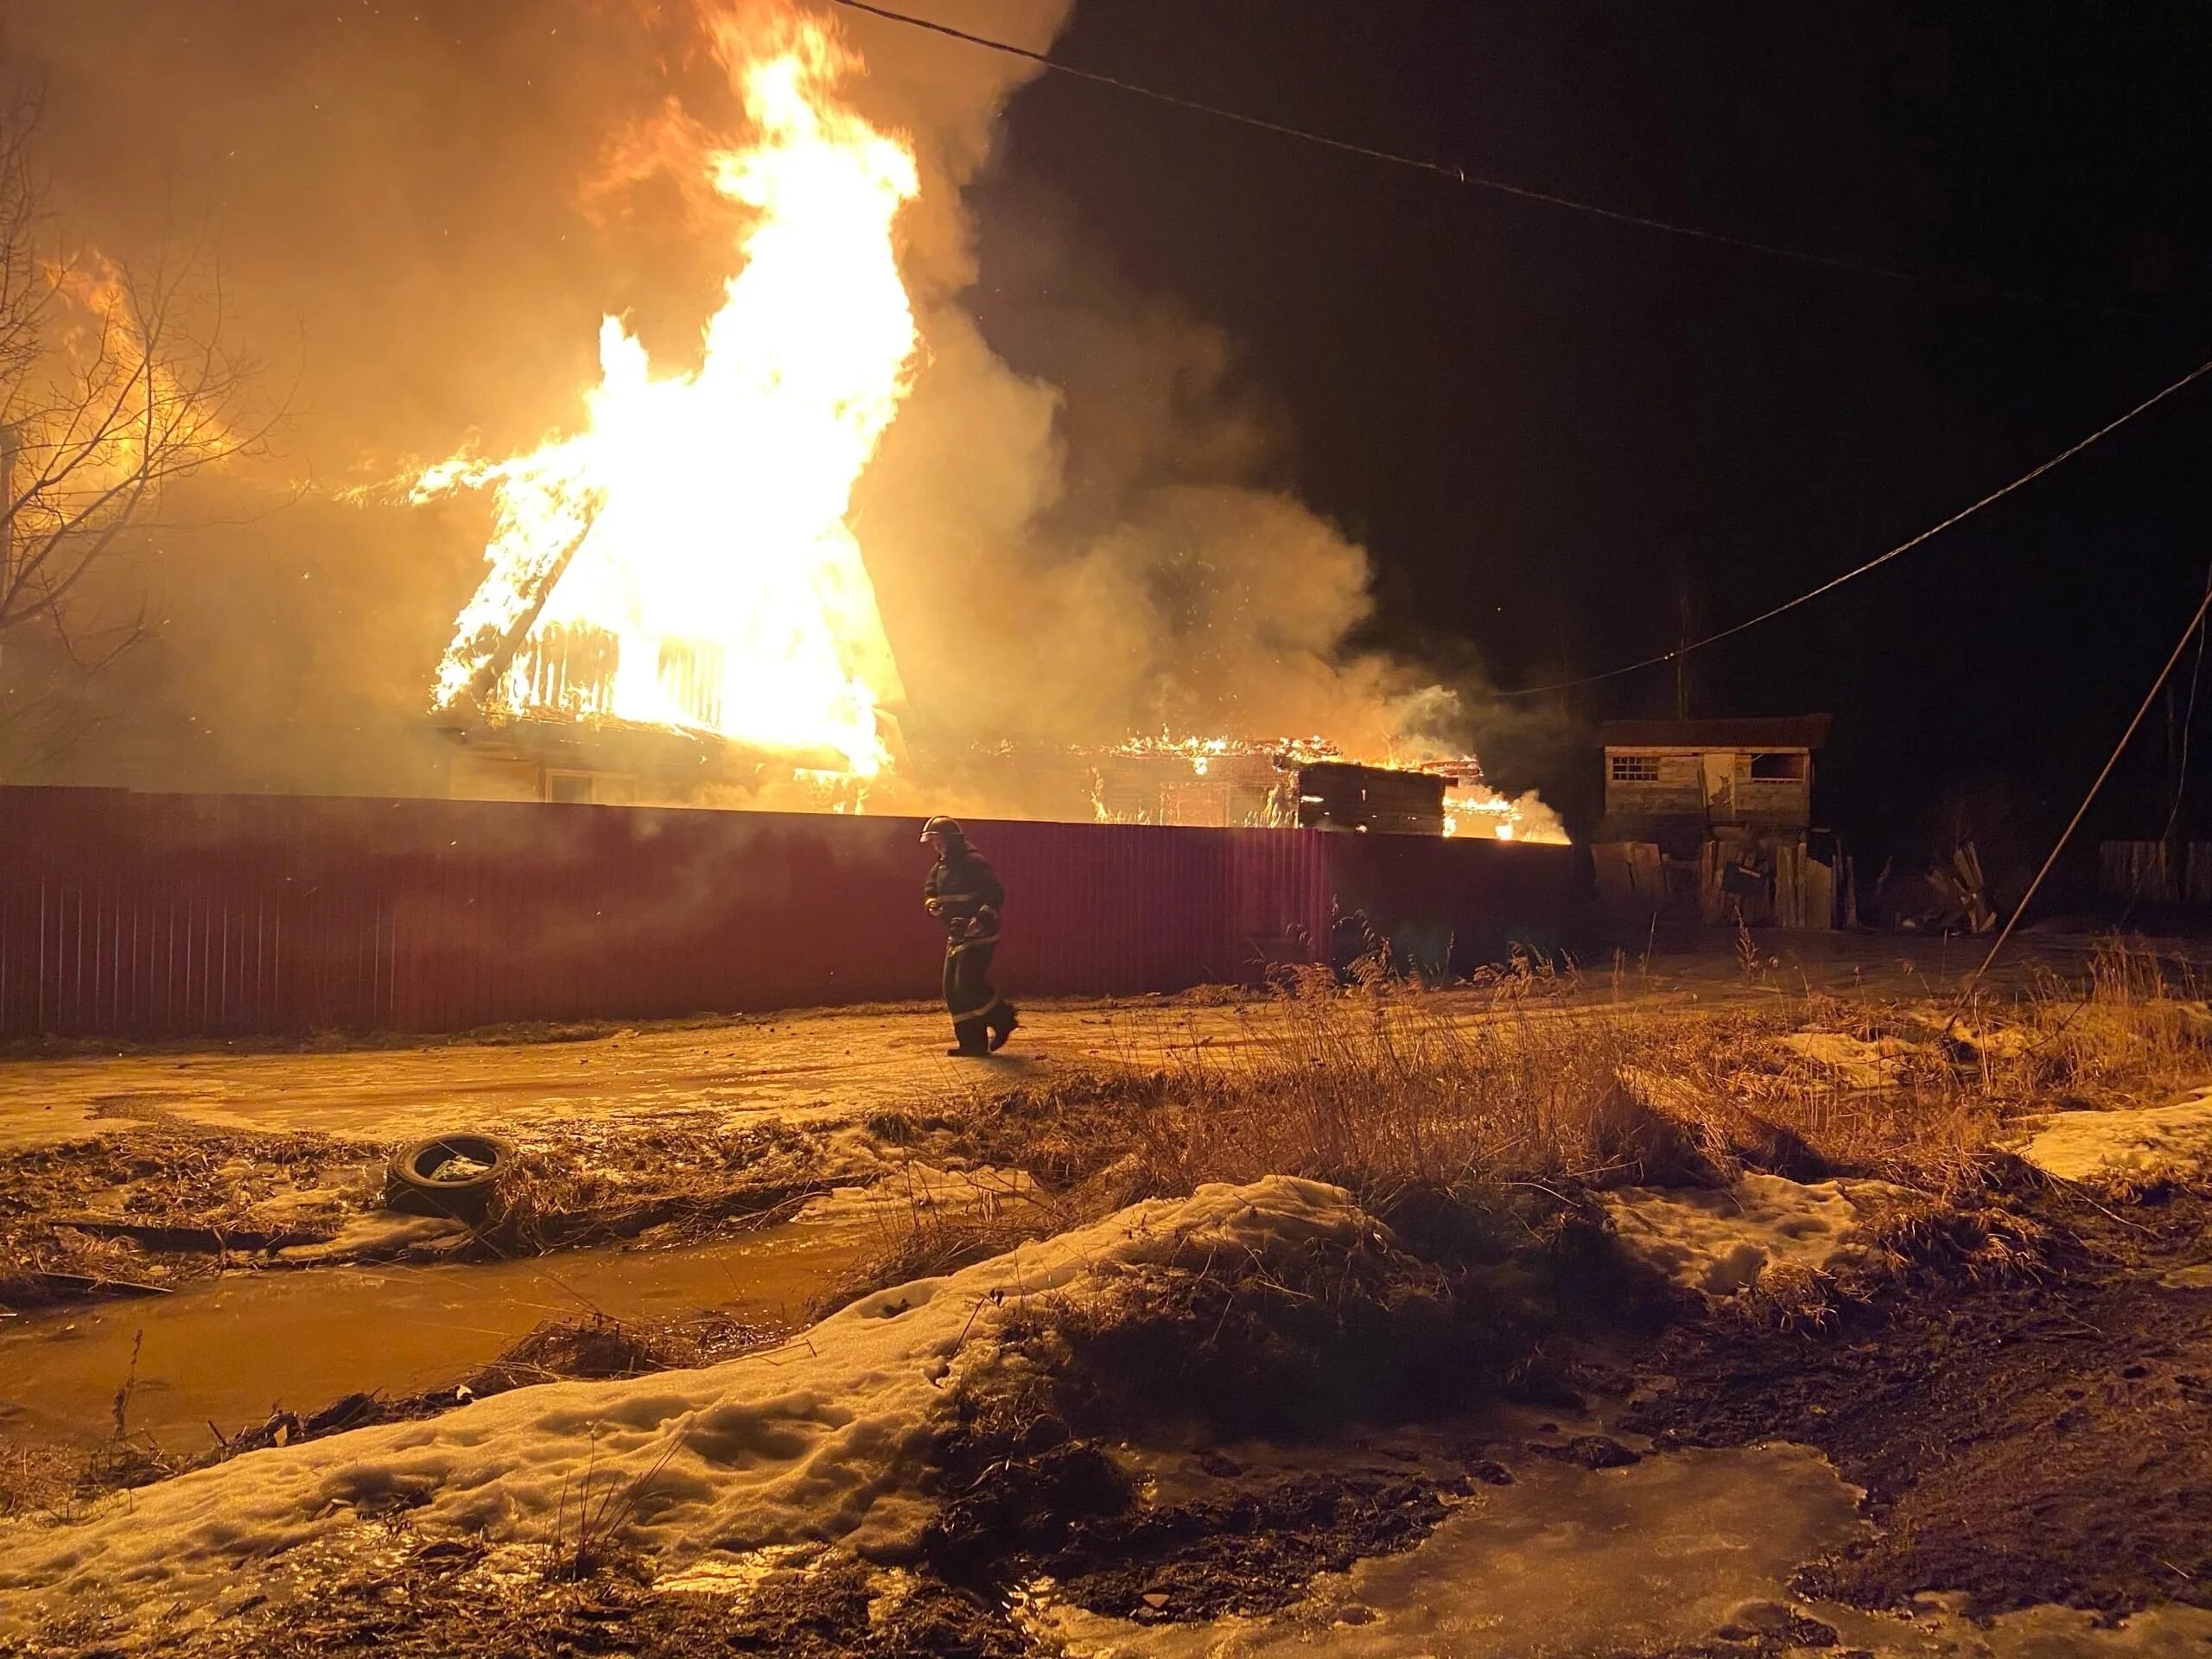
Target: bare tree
point(116, 384)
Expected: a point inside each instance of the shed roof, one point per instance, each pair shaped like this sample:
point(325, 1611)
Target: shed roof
point(1754, 732)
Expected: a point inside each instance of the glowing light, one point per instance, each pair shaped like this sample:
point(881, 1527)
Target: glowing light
point(693, 535)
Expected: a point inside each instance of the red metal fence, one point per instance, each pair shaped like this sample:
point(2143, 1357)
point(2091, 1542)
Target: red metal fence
point(137, 915)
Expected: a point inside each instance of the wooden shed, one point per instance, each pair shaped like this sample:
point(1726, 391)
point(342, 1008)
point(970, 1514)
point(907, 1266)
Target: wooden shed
point(1716, 814)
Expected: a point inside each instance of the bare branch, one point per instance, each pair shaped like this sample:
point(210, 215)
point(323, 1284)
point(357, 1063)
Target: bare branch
point(116, 384)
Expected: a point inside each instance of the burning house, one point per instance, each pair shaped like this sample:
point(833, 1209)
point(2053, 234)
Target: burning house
point(684, 562)
point(1306, 784)
point(676, 610)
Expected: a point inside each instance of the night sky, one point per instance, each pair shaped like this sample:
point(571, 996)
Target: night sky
point(1555, 433)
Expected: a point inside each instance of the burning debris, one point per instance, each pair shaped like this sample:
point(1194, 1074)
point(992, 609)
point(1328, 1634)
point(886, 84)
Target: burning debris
point(1305, 783)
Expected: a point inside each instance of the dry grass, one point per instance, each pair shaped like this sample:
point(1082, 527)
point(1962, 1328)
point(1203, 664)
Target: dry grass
point(58, 1483)
point(941, 1226)
point(692, 1175)
point(42, 1480)
point(222, 1189)
point(1384, 1086)
point(1516, 1085)
point(1915, 1238)
point(1475, 1125)
point(598, 1347)
point(602, 1514)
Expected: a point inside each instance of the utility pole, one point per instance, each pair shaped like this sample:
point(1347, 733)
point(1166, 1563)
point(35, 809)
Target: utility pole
point(2173, 780)
point(1682, 649)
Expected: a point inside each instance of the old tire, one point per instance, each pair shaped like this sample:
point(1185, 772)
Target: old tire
point(411, 1184)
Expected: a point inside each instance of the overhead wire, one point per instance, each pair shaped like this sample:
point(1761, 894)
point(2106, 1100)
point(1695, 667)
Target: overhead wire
point(1878, 560)
point(1460, 175)
point(2196, 622)
point(1472, 180)
point(2166, 839)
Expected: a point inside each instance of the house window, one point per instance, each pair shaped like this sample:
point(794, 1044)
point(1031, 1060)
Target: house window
point(1635, 768)
point(1778, 768)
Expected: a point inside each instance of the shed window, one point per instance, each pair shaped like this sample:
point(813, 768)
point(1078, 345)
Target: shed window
point(1778, 768)
point(1635, 768)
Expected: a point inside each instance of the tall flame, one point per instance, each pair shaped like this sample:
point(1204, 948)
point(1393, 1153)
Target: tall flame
point(688, 551)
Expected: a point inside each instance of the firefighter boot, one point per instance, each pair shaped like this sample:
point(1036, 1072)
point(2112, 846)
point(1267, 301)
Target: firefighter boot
point(970, 1033)
point(1001, 1021)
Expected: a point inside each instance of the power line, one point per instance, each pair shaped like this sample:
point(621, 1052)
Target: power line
point(2196, 622)
point(1879, 559)
point(1472, 180)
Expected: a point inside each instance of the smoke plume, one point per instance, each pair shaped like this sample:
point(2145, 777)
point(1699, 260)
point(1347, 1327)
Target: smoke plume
point(1078, 530)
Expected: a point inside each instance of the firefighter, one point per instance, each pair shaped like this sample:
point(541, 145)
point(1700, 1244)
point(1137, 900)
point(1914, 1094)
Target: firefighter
point(963, 893)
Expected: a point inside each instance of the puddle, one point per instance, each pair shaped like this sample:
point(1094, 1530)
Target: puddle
point(1567, 1563)
point(229, 1348)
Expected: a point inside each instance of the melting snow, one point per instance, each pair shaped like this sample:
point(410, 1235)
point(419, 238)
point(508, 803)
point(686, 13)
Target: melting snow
point(1717, 1241)
point(378, 1232)
point(824, 1440)
point(1665, 1553)
point(1562, 1561)
point(2149, 1141)
point(1857, 1063)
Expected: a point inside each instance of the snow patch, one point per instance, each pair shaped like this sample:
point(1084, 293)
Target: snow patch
point(2145, 1141)
point(1717, 1241)
point(1857, 1064)
point(1660, 1556)
point(825, 1439)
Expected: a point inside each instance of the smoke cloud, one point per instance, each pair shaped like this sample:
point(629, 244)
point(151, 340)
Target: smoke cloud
point(1079, 531)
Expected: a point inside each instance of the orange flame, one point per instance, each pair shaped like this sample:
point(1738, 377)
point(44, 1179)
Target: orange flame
point(695, 531)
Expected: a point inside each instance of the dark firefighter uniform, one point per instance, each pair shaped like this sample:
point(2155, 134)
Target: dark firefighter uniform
point(964, 894)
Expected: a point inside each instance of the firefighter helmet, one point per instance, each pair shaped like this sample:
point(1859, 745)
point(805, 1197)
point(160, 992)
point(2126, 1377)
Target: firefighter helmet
point(949, 829)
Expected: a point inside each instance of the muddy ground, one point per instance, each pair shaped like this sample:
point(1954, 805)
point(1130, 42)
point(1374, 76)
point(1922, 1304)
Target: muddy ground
point(2045, 1439)
point(149, 1206)
point(2044, 1435)
point(2038, 1434)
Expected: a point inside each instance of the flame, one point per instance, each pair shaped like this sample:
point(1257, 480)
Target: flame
point(1474, 809)
point(688, 552)
point(145, 396)
point(1470, 806)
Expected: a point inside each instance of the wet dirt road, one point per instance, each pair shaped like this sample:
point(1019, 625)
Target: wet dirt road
point(827, 1066)
point(823, 1065)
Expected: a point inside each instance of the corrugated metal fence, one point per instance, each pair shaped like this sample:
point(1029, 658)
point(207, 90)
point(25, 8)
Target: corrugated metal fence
point(168, 915)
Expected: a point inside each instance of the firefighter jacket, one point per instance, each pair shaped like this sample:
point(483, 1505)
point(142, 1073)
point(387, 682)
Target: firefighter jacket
point(968, 895)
